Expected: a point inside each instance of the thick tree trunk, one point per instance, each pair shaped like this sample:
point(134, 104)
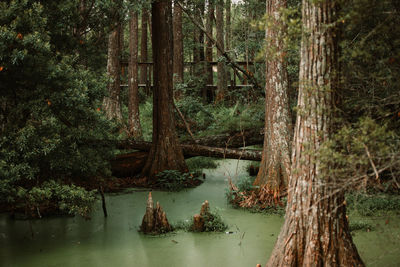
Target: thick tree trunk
point(316, 231)
point(135, 129)
point(275, 165)
point(111, 103)
point(208, 95)
point(165, 153)
point(143, 46)
point(178, 44)
point(221, 83)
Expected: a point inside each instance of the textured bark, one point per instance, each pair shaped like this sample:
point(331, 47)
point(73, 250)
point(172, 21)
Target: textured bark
point(143, 46)
point(165, 153)
point(315, 231)
point(178, 44)
point(199, 220)
point(275, 164)
point(111, 103)
point(221, 83)
point(228, 25)
point(135, 129)
point(228, 36)
point(154, 220)
point(209, 49)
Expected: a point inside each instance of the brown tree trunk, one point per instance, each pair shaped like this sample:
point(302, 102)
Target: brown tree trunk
point(111, 103)
point(178, 44)
point(228, 36)
point(315, 231)
point(208, 95)
point(275, 164)
point(165, 153)
point(228, 25)
point(143, 46)
point(135, 129)
point(221, 83)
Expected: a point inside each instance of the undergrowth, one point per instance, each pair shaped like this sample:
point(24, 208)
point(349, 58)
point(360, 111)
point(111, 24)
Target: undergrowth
point(198, 163)
point(373, 204)
point(173, 180)
point(213, 222)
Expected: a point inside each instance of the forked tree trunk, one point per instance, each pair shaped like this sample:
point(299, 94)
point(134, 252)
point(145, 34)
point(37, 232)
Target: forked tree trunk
point(143, 46)
point(111, 103)
point(135, 129)
point(209, 49)
point(275, 164)
point(165, 153)
point(316, 230)
point(178, 44)
point(221, 83)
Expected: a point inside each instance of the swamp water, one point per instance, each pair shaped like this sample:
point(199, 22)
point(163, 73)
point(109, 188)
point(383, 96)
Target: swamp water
point(114, 241)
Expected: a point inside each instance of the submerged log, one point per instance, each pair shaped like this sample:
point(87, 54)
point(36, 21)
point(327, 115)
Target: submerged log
point(154, 220)
point(130, 164)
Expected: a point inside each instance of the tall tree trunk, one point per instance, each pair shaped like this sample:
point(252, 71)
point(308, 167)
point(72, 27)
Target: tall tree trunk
point(228, 35)
point(209, 43)
point(111, 103)
point(178, 44)
point(275, 165)
point(165, 153)
point(228, 25)
point(143, 46)
point(315, 231)
point(135, 129)
point(221, 83)
point(202, 6)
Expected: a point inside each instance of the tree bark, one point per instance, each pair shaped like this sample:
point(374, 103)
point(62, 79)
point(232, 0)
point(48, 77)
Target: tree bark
point(221, 83)
point(111, 103)
point(228, 35)
point(165, 153)
point(275, 164)
point(228, 25)
point(316, 230)
point(135, 129)
point(178, 44)
point(143, 46)
point(209, 95)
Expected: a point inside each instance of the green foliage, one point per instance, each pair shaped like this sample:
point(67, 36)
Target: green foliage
point(213, 222)
point(51, 125)
point(173, 180)
point(370, 60)
point(372, 204)
point(360, 225)
point(200, 163)
point(362, 154)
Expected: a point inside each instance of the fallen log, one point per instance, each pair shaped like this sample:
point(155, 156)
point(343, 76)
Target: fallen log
point(231, 140)
point(130, 164)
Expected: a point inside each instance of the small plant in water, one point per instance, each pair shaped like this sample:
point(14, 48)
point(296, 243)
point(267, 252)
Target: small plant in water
point(173, 180)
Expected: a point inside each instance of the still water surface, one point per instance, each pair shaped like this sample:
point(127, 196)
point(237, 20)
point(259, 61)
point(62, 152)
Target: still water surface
point(114, 241)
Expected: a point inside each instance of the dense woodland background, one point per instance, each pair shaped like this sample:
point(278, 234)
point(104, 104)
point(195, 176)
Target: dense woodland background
point(76, 86)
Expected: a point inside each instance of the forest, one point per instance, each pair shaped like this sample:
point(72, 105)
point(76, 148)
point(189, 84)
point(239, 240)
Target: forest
point(200, 133)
